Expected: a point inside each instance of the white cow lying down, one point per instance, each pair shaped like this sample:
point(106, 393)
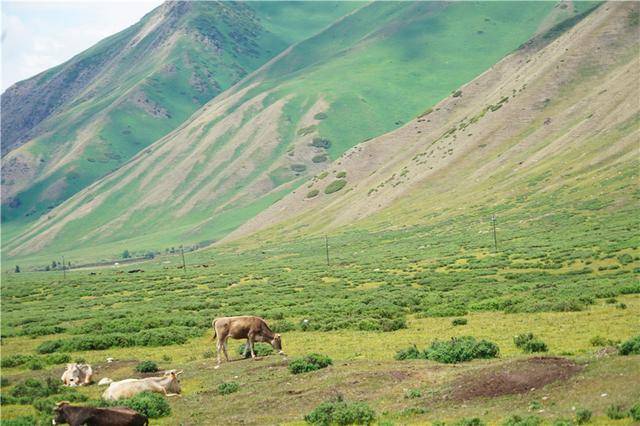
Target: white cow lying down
point(168, 385)
point(77, 375)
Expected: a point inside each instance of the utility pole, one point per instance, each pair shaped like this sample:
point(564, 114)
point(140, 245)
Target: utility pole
point(495, 238)
point(326, 246)
point(184, 264)
point(64, 269)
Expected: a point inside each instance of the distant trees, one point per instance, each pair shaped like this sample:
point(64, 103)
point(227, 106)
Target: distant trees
point(17, 269)
point(125, 254)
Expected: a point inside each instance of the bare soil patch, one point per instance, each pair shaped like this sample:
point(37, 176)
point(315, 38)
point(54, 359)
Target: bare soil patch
point(513, 378)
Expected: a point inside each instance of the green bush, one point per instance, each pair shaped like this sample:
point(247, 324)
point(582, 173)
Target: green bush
point(529, 343)
point(459, 321)
point(631, 346)
point(147, 367)
point(341, 175)
point(152, 405)
point(14, 360)
point(319, 158)
point(57, 359)
point(461, 349)
point(475, 421)
point(615, 412)
point(49, 346)
point(298, 168)
point(342, 413)
point(583, 416)
point(4, 381)
point(409, 353)
point(20, 421)
point(312, 193)
point(335, 186)
point(282, 326)
point(516, 420)
point(321, 143)
point(634, 412)
point(601, 341)
point(413, 393)
point(309, 362)
point(260, 349)
point(35, 364)
point(320, 116)
point(227, 388)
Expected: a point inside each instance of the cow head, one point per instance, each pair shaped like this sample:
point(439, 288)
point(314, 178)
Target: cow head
point(58, 414)
point(174, 384)
point(276, 342)
point(73, 375)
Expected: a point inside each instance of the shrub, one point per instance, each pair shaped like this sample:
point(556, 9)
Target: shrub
point(20, 421)
point(529, 343)
point(631, 346)
point(321, 143)
point(615, 412)
point(35, 364)
point(457, 93)
point(14, 360)
point(320, 116)
point(340, 412)
point(55, 359)
point(563, 422)
point(147, 367)
point(522, 421)
point(634, 412)
point(335, 186)
point(319, 158)
point(309, 362)
point(282, 326)
point(227, 388)
point(461, 349)
point(149, 404)
point(260, 349)
point(298, 168)
point(49, 346)
point(341, 175)
point(208, 354)
point(583, 416)
point(601, 341)
point(413, 393)
point(392, 324)
point(459, 321)
point(469, 422)
point(409, 353)
point(4, 382)
point(312, 193)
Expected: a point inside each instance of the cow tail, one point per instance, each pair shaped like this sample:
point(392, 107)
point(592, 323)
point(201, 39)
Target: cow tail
point(214, 329)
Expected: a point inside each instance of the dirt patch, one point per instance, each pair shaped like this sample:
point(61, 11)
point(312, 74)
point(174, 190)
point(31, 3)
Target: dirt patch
point(513, 378)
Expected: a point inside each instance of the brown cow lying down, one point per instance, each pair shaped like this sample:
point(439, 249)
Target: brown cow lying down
point(91, 416)
point(168, 385)
point(254, 329)
point(77, 375)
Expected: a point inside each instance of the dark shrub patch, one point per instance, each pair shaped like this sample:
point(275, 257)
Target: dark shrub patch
point(298, 168)
point(312, 193)
point(49, 346)
point(282, 326)
point(35, 364)
point(631, 346)
point(342, 413)
point(319, 158)
point(634, 412)
point(152, 405)
point(409, 353)
point(147, 367)
point(529, 343)
point(321, 143)
point(309, 362)
point(4, 382)
point(20, 421)
point(615, 412)
point(341, 175)
point(522, 421)
point(227, 388)
point(260, 349)
point(14, 360)
point(459, 321)
point(461, 349)
point(583, 416)
point(335, 186)
point(474, 421)
point(320, 116)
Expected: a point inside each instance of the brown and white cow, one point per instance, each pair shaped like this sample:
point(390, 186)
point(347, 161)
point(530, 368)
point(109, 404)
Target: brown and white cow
point(168, 385)
point(77, 375)
point(92, 416)
point(254, 329)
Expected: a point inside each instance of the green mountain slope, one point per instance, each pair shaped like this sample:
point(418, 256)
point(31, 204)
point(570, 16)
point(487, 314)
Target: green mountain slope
point(547, 140)
point(369, 73)
point(71, 125)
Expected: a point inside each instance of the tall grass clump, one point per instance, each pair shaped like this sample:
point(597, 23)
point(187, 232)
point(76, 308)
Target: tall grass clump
point(529, 343)
point(342, 413)
point(309, 362)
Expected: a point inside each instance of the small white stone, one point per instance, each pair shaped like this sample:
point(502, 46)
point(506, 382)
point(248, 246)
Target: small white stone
point(604, 394)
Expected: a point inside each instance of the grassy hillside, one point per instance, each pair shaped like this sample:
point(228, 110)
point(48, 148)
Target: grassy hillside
point(368, 73)
point(76, 123)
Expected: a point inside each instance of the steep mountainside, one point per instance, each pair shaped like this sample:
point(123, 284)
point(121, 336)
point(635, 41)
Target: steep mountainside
point(552, 130)
point(368, 73)
point(71, 125)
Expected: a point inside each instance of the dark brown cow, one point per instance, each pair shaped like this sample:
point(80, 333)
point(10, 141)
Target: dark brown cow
point(254, 329)
point(91, 416)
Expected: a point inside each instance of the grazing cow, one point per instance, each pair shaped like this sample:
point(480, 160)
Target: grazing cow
point(91, 416)
point(254, 329)
point(77, 375)
point(169, 385)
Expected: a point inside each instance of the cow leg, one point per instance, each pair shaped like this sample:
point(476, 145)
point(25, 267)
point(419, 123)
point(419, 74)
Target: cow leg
point(246, 348)
point(219, 349)
point(224, 348)
point(250, 343)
